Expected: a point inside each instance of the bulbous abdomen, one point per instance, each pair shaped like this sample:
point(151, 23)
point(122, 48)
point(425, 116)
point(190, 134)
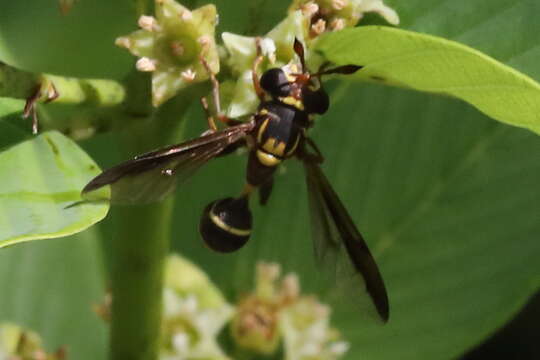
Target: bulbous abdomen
point(225, 224)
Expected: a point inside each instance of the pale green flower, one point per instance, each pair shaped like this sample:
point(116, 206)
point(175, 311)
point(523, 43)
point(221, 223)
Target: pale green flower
point(190, 332)
point(334, 15)
point(307, 333)
point(17, 343)
point(170, 44)
point(194, 313)
point(276, 311)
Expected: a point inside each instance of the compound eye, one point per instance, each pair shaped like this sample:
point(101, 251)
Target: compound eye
point(226, 224)
point(275, 82)
point(316, 101)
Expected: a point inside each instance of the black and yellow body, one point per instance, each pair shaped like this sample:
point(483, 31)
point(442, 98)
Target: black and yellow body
point(278, 132)
point(280, 125)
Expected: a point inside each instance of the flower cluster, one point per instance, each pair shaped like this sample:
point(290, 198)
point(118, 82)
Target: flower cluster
point(194, 312)
point(335, 15)
point(171, 44)
point(276, 311)
point(19, 344)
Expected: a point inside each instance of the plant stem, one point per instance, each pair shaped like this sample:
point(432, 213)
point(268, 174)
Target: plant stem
point(138, 254)
point(19, 84)
point(142, 240)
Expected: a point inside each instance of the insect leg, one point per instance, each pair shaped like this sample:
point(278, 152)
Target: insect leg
point(215, 95)
point(211, 122)
point(299, 50)
point(317, 156)
point(31, 103)
point(254, 76)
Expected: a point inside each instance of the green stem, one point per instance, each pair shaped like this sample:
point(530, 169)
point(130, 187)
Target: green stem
point(142, 241)
point(19, 84)
point(138, 254)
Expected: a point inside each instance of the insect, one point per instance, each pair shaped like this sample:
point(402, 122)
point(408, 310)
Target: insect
point(277, 131)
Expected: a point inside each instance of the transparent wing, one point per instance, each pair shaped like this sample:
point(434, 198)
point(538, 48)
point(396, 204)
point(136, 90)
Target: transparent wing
point(152, 176)
point(339, 247)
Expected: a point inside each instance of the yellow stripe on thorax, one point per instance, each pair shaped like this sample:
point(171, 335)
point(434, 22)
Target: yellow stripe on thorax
point(290, 100)
point(262, 129)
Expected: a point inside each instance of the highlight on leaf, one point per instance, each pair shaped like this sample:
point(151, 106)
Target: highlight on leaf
point(429, 63)
point(40, 182)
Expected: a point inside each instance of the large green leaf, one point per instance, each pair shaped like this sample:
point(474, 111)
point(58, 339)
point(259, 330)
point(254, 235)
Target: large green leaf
point(428, 63)
point(39, 179)
point(51, 287)
point(448, 207)
point(446, 198)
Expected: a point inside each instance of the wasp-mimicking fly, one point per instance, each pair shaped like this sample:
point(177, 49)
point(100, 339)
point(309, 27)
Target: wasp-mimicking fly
point(277, 131)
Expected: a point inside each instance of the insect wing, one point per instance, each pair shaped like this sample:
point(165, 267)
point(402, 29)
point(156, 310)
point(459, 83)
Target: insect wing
point(152, 176)
point(339, 247)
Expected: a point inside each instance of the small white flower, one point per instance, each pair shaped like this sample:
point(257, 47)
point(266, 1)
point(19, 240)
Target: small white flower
point(339, 348)
point(145, 64)
point(310, 9)
point(148, 23)
point(188, 75)
point(339, 4)
point(307, 333)
point(268, 49)
point(180, 342)
point(186, 15)
point(319, 27)
point(193, 330)
point(123, 41)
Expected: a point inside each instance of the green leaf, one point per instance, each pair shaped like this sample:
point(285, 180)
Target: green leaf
point(10, 106)
point(444, 197)
point(51, 287)
point(39, 179)
point(453, 191)
point(427, 63)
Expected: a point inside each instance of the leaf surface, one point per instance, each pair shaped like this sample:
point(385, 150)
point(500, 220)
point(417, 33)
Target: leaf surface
point(427, 63)
point(39, 180)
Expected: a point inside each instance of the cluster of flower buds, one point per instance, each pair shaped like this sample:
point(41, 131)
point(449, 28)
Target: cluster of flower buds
point(276, 312)
point(335, 15)
point(19, 344)
point(194, 313)
point(171, 44)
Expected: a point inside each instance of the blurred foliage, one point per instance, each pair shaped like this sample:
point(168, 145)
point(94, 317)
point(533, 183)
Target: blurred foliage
point(447, 198)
